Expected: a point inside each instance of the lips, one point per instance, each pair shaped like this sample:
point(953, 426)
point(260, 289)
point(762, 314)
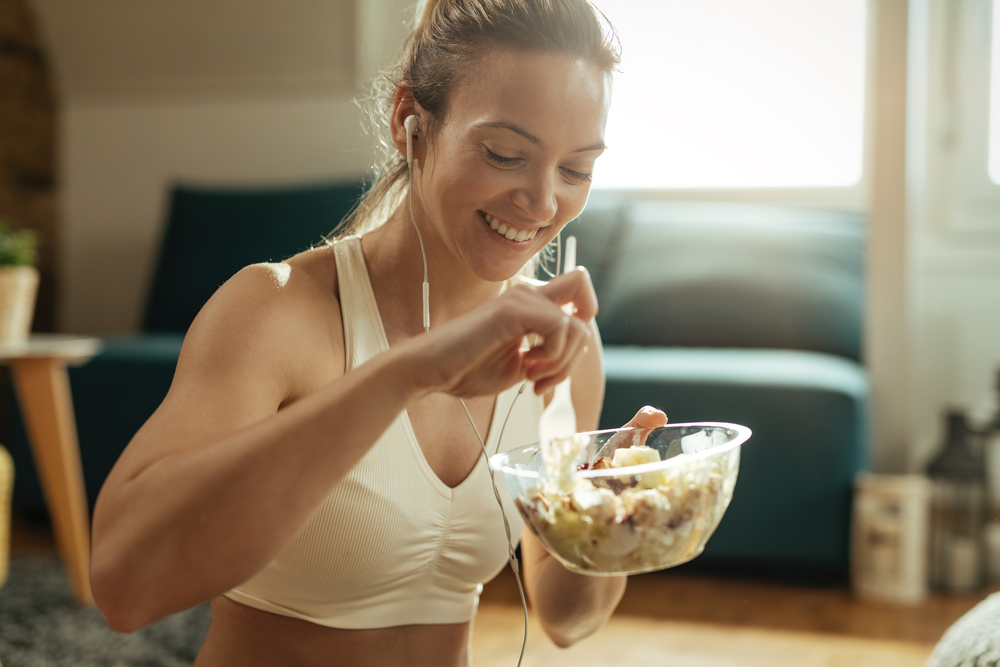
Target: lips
point(509, 232)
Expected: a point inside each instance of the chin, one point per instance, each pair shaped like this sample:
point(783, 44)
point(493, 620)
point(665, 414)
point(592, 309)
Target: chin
point(496, 271)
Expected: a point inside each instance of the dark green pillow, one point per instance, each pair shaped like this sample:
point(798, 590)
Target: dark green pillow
point(213, 233)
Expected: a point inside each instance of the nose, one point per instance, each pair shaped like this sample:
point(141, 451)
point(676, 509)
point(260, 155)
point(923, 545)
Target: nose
point(537, 197)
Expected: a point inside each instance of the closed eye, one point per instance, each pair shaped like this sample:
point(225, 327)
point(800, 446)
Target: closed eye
point(501, 160)
point(576, 175)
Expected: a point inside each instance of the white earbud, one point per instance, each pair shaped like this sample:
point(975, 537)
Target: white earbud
point(410, 125)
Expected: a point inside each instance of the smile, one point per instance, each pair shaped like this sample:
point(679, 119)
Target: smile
point(509, 232)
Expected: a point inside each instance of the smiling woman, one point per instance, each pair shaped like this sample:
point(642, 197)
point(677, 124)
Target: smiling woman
point(312, 470)
point(517, 144)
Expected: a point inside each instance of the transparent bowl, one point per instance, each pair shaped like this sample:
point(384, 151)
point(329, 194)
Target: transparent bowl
point(631, 519)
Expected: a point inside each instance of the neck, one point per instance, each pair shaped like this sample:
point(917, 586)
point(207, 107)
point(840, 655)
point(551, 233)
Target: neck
point(396, 268)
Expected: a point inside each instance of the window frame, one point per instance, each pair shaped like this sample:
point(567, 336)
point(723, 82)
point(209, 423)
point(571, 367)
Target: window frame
point(960, 121)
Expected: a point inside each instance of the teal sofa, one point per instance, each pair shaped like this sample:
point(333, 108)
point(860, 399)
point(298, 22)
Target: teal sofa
point(718, 312)
point(748, 314)
point(209, 235)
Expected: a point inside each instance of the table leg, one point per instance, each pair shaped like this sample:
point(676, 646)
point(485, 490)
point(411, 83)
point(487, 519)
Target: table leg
point(42, 386)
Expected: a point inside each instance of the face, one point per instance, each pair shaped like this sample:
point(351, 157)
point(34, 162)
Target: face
point(511, 161)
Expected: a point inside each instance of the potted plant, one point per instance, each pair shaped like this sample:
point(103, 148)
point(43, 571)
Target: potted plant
point(18, 281)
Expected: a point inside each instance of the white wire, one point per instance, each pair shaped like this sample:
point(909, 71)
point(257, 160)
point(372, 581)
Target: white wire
point(506, 525)
point(511, 556)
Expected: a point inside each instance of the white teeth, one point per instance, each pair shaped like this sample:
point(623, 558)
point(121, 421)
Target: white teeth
point(511, 233)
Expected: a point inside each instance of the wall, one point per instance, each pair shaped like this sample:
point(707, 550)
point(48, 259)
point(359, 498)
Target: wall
point(954, 217)
point(235, 92)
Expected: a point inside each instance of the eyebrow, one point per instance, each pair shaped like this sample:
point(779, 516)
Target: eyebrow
point(513, 127)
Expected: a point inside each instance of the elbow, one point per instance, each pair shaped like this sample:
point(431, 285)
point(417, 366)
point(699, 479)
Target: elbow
point(562, 641)
point(121, 607)
point(566, 637)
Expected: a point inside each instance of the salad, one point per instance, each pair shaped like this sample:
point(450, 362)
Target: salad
point(626, 513)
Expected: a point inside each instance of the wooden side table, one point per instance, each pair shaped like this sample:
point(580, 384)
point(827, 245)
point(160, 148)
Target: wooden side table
point(42, 385)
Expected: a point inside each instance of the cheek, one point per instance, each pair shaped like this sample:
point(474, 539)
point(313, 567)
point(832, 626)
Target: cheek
point(462, 177)
point(572, 204)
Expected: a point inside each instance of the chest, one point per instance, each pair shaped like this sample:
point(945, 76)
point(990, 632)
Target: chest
point(445, 435)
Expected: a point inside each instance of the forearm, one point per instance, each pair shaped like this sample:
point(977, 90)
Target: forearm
point(572, 606)
point(196, 523)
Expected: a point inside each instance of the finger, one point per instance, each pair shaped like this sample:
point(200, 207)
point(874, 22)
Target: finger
point(554, 340)
point(548, 375)
point(573, 287)
point(549, 381)
point(644, 421)
point(648, 417)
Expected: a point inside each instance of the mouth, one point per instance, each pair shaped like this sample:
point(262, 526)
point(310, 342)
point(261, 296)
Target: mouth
point(507, 230)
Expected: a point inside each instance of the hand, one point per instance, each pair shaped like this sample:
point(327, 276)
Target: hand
point(480, 353)
point(648, 418)
point(644, 422)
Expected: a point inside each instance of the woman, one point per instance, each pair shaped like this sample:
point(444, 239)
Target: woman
point(312, 471)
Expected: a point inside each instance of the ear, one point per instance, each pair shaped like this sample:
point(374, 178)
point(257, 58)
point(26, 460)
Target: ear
point(403, 105)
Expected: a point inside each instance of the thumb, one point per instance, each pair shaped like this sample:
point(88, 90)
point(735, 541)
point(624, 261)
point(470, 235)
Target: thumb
point(648, 418)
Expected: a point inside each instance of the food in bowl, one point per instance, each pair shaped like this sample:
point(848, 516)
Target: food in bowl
point(628, 500)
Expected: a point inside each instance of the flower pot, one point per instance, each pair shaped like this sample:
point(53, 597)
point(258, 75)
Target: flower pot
point(18, 289)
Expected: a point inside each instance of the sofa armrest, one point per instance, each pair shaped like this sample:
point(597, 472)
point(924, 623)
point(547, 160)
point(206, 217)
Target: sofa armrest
point(808, 412)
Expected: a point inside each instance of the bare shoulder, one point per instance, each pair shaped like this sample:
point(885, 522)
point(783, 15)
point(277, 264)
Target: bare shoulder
point(270, 335)
point(278, 323)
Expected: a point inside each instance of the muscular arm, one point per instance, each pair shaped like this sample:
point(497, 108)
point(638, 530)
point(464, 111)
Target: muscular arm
point(223, 474)
point(218, 478)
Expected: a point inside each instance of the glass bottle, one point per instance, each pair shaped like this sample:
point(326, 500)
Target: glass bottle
point(958, 511)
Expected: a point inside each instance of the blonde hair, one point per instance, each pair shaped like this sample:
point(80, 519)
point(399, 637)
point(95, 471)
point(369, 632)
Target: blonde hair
point(447, 39)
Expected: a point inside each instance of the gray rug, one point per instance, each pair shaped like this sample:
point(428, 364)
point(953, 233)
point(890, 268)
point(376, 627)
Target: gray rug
point(40, 626)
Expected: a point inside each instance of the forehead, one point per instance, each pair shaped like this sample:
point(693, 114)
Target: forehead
point(555, 97)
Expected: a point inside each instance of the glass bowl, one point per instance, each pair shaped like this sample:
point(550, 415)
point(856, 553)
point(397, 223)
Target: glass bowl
point(656, 510)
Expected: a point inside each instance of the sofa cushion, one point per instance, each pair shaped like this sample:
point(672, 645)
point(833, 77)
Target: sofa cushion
point(211, 234)
point(735, 275)
point(808, 413)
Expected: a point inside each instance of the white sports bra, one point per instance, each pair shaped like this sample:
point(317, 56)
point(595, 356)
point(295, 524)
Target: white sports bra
point(392, 544)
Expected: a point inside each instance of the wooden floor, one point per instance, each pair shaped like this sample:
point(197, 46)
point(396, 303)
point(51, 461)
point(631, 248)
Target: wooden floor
point(649, 642)
point(675, 619)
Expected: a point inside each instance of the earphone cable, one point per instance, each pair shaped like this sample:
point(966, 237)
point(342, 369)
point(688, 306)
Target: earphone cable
point(511, 556)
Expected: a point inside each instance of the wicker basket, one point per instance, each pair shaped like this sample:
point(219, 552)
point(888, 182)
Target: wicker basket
point(6, 489)
point(18, 289)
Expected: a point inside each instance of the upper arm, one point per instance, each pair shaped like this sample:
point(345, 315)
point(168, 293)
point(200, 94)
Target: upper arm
point(244, 355)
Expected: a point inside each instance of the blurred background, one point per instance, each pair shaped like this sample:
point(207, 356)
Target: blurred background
point(881, 114)
point(779, 104)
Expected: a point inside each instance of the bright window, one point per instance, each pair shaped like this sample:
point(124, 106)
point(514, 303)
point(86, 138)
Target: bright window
point(994, 155)
point(736, 94)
